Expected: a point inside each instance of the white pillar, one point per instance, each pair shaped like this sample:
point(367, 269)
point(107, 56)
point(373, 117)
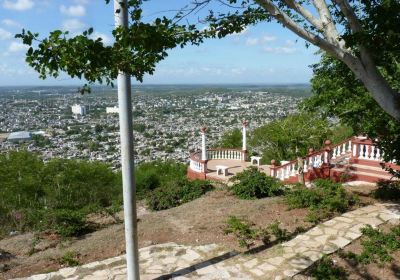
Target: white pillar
point(245, 124)
point(203, 143)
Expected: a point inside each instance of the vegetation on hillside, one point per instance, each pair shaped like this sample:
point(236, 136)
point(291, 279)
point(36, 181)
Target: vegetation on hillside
point(323, 200)
point(289, 137)
point(58, 195)
point(252, 184)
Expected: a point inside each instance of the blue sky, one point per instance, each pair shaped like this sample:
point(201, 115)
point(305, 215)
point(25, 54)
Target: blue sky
point(266, 53)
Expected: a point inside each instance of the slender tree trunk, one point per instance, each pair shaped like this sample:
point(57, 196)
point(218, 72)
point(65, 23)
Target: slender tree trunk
point(387, 98)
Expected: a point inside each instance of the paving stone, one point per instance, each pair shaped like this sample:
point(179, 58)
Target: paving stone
point(315, 231)
point(250, 264)
point(344, 219)
point(257, 272)
point(340, 242)
point(276, 261)
point(291, 272)
point(330, 231)
point(266, 267)
point(322, 238)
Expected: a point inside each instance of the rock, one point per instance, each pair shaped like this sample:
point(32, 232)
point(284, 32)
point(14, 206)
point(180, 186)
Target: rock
point(4, 267)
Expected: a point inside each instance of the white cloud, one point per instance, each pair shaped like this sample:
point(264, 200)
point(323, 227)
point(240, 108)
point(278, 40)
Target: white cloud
point(81, 2)
point(268, 38)
point(18, 5)
point(73, 25)
point(11, 23)
point(73, 11)
point(252, 41)
point(280, 50)
point(241, 33)
point(17, 47)
point(107, 40)
point(4, 34)
point(290, 43)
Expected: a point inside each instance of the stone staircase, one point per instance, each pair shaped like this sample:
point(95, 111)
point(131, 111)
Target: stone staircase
point(355, 159)
point(345, 170)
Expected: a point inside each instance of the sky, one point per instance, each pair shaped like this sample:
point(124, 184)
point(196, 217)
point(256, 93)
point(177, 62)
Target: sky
point(262, 54)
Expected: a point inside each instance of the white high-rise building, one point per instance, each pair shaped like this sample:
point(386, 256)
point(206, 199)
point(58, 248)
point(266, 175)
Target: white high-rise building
point(112, 110)
point(78, 109)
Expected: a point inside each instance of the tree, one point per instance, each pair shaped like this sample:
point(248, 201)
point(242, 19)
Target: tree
point(338, 94)
point(290, 137)
point(369, 40)
point(231, 139)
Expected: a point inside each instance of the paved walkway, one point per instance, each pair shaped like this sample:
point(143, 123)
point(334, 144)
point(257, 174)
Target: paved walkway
point(167, 261)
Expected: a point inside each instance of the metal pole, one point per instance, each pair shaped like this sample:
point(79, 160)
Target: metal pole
point(127, 156)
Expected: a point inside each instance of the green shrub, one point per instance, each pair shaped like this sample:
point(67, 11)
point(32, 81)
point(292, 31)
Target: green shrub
point(245, 231)
point(251, 184)
point(152, 175)
point(279, 233)
point(323, 200)
point(177, 193)
point(69, 259)
point(325, 269)
point(378, 245)
point(387, 190)
point(65, 222)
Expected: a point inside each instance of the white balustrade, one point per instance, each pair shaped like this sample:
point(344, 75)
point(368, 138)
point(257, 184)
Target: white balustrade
point(196, 166)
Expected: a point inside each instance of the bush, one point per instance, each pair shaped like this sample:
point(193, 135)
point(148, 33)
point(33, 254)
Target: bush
point(152, 175)
point(323, 200)
point(377, 246)
point(177, 193)
point(251, 184)
point(245, 231)
point(64, 222)
point(53, 196)
point(325, 269)
point(69, 259)
point(387, 190)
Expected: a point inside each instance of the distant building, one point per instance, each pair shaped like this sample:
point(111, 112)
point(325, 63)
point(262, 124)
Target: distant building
point(112, 110)
point(19, 136)
point(78, 109)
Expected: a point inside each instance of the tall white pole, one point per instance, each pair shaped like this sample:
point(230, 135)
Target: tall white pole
point(245, 124)
point(203, 143)
point(127, 156)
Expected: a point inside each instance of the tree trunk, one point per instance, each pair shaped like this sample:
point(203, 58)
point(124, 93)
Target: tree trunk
point(387, 98)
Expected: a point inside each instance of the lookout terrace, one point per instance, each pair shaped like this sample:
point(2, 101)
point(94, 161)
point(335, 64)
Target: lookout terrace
point(355, 159)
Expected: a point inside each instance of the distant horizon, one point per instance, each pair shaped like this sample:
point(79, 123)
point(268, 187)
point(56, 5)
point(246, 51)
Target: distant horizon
point(165, 84)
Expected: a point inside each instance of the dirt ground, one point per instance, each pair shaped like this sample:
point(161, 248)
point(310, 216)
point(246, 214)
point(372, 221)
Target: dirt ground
point(197, 222)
